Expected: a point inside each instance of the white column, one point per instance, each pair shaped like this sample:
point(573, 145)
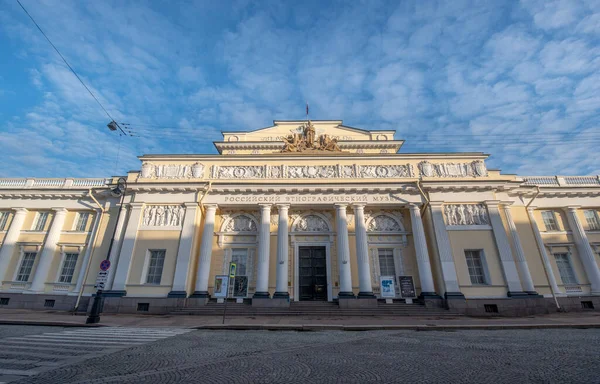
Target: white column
point(88, 253)
point(445, 251)
point(281, 285)
point(206, 246)
point(264, 240)
point(542, 249)
point(362, 252)
point(343, 252)
point(184, 252)
point(586, 254)
point(10, 240)
point(48, 250)
point(506, 258)
point(519, 253)
point(127, 248)
point(115, 250)
point(423, 263)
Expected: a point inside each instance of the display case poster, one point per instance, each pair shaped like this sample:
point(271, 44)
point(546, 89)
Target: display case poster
point(388, 288)
point(240, 286)
point(407, 286)
point(221, 283)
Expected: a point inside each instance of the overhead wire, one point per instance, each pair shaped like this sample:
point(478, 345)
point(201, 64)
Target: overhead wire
point(69, 66)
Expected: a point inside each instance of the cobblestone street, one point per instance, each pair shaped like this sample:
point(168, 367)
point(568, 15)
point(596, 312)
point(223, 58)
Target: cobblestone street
point(512, 356)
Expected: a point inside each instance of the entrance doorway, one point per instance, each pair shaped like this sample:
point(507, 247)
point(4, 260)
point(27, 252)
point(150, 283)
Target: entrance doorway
point(312, 273)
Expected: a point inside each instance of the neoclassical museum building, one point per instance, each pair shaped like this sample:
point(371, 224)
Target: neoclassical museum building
point(309, 213)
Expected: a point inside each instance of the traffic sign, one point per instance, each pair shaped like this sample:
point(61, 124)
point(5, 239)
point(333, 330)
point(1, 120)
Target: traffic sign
point(232, 269)
point(104, 265)
point(102, 277)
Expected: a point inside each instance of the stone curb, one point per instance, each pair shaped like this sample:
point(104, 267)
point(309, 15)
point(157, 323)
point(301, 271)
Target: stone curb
point(322, 327)
point(49, 323)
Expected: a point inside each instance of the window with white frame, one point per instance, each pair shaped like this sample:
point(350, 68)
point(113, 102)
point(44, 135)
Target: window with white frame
point(565, 269)
point(550, 221)
point(591, 217)
point(386, 262)
point(239, 256)
point(155, 266)
point(40, 221)
point(476, 266)
point(3, 220)
point(68, 268)
point(26, 266)
point(82, 220)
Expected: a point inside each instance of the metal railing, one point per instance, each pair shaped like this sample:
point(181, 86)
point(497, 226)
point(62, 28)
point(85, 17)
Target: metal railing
point(562, 181)
point(52, 183)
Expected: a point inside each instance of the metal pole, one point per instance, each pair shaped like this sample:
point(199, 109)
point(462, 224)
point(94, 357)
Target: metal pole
point(94, 316)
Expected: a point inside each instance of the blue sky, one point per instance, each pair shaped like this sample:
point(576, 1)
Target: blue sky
point(509, 78)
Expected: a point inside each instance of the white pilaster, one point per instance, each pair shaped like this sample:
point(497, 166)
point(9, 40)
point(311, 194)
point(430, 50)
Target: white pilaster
point(506, 258)
point(184, 252)
point(423, 263)
point(128, 245)
point(542, 249)
point(206, 245)
point(116, 248)
point(519, 253)
point(88, 254)
point(445, 251)
point(264, 242)
point(10, 240)
point(282, 252)
point(586, 254)
point(343, 251)
point(362, 252)
point(48, 250)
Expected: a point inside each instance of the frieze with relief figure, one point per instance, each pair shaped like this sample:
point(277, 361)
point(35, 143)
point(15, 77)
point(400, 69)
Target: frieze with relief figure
point(473, 169)
point(466, 214)
point(172, 171)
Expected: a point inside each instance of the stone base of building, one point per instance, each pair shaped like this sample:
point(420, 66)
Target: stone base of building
point(45, 302)
point(522, 306)
point(271, 303)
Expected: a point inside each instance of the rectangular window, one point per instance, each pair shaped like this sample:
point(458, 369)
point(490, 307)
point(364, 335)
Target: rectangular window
point(550, 221)
point(155, 266)
point(239, 256)
point(476, 267)
point(590, 216)
point(68, 269)
point(26, 266)
point(40, 222)
point(3, 220)
point(82, 220)
point(567, 275)
point(386, 262)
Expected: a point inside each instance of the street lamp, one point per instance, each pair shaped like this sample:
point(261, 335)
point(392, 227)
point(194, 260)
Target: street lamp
point(119, 190)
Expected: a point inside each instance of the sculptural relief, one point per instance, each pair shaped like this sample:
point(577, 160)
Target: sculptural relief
point(239, 172)
point(310, 223)
point(171, 171)
point(307, 139)
point(311, 171)
point(163, 215)
point(383, 223)
point(240, 223)
point(385, 171)
point(466, 214)
point(473, 169)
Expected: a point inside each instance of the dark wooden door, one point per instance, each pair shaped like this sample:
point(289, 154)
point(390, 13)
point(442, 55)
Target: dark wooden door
point(313, 273)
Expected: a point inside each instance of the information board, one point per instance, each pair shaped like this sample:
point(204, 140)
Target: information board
point(407, 286)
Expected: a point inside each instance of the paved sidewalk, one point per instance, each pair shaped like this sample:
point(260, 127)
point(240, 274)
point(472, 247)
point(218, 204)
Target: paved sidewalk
point(558, 320)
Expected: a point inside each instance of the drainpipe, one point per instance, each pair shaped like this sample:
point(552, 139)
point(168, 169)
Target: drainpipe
point(541, 250)
point(92, 243)
point(199, 201)
point(418, 182)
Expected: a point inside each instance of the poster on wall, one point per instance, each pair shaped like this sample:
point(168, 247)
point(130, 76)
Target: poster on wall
point(388, 287)
point(407, 286)
point(240, 286)
point(221, 284)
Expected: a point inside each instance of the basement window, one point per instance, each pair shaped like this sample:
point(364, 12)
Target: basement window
point(143, 307)
point(491, 308)
point(587, 305)
point(49, 303)
point(4, 300)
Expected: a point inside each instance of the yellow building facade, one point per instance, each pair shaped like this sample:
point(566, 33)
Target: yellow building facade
point(307, 211)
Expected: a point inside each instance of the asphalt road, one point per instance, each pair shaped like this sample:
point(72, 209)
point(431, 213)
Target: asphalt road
point(170, 355)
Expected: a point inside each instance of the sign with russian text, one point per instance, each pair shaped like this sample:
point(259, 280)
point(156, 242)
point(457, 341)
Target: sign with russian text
point(387, 286)
point(221, 286)
point(407, 286)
